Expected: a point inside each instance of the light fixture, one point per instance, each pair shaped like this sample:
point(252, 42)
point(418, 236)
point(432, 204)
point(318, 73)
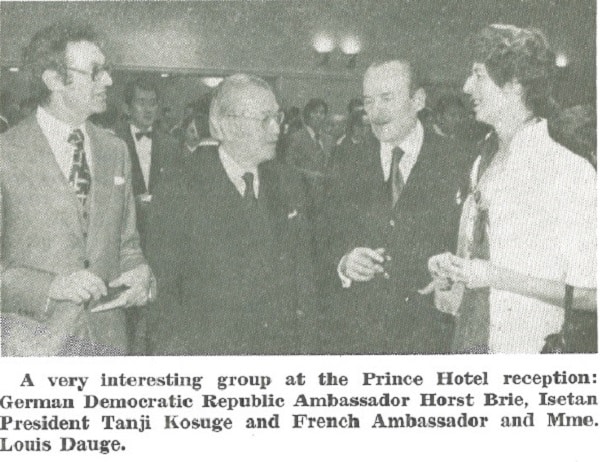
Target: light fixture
point(561, 60)
point(324, 44)
point(211, 82)
point(350, 46)
point(164, 75)
point(13, 69)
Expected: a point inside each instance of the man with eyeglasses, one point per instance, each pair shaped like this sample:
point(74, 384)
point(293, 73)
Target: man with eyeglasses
point(230, 241)
point(68, 213)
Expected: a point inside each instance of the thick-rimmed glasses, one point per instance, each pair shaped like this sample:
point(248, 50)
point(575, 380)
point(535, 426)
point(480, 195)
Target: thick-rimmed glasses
point(276, 117)
point(96, 73)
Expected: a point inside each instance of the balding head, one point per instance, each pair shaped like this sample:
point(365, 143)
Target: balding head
point(244, 116)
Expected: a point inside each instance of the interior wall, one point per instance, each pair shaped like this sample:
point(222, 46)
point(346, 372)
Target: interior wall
point(274, 38)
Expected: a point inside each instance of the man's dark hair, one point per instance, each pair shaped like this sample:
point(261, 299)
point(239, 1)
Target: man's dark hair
point(141, 83)
point(523, 55)
point(312, 105)
point(47, 50)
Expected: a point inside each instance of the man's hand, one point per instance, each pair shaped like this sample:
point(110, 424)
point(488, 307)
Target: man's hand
point(362, 263)
point(140, 283)
point(77, 287)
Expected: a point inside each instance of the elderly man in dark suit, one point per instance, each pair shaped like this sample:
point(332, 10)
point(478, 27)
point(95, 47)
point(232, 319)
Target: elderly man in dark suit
point(68, 214)
point(231, 242)
point(393, 202)
point(151, 151)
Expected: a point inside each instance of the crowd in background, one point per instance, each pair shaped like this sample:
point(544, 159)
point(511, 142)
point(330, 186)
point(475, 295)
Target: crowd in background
point(202, 199)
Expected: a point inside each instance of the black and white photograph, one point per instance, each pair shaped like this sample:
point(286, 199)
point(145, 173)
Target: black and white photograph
point(393, 196)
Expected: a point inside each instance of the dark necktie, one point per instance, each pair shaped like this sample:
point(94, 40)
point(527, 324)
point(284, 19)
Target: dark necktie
point(79, 177)
point(396, 180)
point(140, 135)
point(249, 195)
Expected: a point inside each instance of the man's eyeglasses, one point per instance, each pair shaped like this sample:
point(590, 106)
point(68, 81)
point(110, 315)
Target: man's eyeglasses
point(96, 73)
point(276, 117)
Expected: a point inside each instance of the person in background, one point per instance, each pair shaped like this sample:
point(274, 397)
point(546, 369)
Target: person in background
point(528, 226)
point(196, 134)
point(68, 215)
point(231, 242)
point(5, 98)
point(309, 149)
point(575, 129)
point(354, 105)
point(151, 152)
point(450, 117)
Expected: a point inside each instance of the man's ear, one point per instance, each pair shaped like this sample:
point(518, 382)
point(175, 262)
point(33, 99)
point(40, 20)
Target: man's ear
point(53, 80)
point(418, 99)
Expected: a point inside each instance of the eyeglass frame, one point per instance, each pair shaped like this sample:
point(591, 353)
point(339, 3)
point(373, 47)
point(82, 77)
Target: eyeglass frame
point(278, 118)
point(96, 72)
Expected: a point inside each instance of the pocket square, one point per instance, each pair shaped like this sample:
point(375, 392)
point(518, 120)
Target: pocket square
point(119, 180)
point(292, 214)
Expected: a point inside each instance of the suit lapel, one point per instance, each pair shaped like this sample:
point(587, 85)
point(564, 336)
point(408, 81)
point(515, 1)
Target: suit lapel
point(154, 161)
point(137, 178)
point(43, 173)
point(102, 181)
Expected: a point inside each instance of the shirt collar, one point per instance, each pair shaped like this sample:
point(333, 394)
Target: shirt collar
point(235, 171)
point(55, 128)
point(135, 130)
point(411, 145)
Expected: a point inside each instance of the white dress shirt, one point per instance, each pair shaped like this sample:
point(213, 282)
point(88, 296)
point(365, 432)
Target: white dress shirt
point(143, 147)
point(235, 173)
point(57, 133)
point(411, 145)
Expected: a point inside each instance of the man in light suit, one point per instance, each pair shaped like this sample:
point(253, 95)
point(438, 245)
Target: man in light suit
point(393, 202)
point(230, 241)
point(68, 213)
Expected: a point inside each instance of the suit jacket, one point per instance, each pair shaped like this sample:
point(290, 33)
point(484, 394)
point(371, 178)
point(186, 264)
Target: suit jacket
point(163, 155)
point(232, 279)
point(387, 315)
point(44, 234)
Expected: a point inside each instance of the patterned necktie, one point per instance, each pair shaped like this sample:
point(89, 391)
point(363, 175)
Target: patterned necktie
point(396, 179)
point(249, 195)
point(79, 178)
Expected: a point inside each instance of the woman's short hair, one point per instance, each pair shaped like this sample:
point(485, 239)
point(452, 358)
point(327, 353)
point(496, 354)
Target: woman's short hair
point(523, 55)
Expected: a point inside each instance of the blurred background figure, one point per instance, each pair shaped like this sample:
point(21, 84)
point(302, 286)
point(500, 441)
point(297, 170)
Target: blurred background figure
point(450, 117)
point(5, 98)
point(575, 129)
point(355, 105)
point(309, 149)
